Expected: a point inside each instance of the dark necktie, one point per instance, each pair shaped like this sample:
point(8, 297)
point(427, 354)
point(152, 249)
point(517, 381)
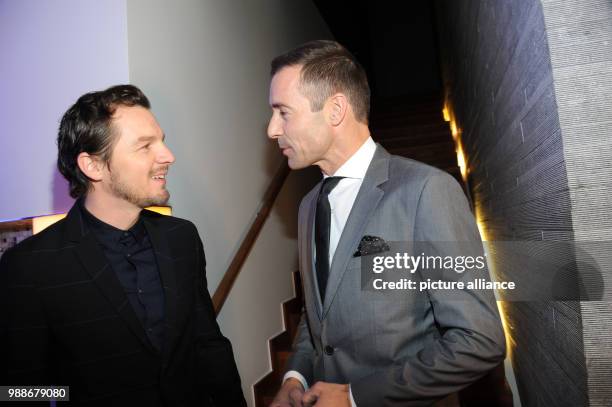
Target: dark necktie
point(322, 226)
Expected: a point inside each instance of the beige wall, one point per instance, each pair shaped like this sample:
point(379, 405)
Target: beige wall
point(205, 66)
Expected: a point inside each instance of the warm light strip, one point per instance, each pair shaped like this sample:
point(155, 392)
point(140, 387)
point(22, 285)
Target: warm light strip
point(461, 160)
point(454, 129)
point(446, 114)
point(40, 223)
point(510, 344)
point(455, 132)
point(462, 163)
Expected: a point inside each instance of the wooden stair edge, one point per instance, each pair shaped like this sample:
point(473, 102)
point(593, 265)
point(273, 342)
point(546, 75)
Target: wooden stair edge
point(279, 346)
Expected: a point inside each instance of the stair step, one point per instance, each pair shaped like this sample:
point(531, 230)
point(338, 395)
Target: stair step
point(407, 112)
point(390, 108)
point(406, 118)
point(414, 139)
point(381, 106)
point(280, 348)
point(281, 358)
point(408, 129)
point(443, 133)
point(292, 311)
point(281, 341)
point(265, 390)
point(445, 158)
point(428, 158)
point(442, 164)
point(442, 149)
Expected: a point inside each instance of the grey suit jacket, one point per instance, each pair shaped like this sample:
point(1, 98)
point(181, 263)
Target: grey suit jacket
point(405, 350)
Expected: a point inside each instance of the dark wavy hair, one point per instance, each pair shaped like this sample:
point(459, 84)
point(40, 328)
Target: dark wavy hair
point(328, 67)
point(87, 127)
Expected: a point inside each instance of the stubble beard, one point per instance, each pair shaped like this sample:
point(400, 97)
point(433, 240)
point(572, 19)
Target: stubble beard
point(125, 192)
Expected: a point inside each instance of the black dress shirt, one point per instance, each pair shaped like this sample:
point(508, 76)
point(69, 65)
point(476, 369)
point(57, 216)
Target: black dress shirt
point(131, 256)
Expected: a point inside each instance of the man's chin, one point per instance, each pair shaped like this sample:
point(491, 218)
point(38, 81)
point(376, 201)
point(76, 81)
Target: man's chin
point(296, 165)
point(155, 201)
point(160, 202)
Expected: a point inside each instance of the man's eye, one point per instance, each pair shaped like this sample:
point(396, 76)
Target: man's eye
point(146, 146)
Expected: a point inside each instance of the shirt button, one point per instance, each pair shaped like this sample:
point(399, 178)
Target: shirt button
point(328, 350)
point(128, 255)
point(139, 291)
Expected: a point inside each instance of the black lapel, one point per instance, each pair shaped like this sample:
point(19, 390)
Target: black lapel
point(309, 265)
point(92, 258)
point(165, 262)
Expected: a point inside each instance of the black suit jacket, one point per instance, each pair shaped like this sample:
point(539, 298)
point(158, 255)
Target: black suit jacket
point(67, 321)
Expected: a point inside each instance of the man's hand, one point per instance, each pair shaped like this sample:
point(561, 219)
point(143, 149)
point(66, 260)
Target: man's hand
point(327, 395)
point(290, 394)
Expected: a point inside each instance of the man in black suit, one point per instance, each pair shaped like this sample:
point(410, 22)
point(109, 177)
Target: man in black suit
point(112, 300)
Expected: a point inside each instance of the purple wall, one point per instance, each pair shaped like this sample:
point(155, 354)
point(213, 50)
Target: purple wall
point(51, 52)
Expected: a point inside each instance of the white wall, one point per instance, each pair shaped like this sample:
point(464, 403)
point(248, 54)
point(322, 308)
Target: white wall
point(51, 53)
point(205, 66)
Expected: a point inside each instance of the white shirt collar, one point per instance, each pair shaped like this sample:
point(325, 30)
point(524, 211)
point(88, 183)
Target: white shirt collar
point(357, 165)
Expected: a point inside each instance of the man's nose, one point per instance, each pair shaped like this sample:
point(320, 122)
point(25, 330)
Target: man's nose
point(273, 128)
point(166, 155)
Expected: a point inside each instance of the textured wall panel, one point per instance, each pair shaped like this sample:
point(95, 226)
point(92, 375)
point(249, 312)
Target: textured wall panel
point(580, 37)
point(500, 85)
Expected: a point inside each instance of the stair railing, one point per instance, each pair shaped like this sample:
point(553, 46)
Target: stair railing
point(233, 270)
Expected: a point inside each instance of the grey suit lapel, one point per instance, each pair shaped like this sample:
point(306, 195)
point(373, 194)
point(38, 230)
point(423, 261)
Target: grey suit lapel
point(366, 201)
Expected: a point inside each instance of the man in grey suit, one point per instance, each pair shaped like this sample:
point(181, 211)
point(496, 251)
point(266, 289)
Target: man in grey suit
point(354, 347)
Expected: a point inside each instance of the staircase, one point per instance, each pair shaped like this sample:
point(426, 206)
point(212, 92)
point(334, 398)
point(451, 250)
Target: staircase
point(280, 347)
point(417, 130)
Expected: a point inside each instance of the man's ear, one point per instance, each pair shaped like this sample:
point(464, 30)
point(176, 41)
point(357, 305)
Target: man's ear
point(90, 165)
point(337, 108)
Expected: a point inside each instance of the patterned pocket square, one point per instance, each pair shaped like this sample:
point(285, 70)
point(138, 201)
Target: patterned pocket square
point(371, 245)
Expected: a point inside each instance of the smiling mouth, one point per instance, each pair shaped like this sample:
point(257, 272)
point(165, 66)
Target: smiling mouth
point(160, 178)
